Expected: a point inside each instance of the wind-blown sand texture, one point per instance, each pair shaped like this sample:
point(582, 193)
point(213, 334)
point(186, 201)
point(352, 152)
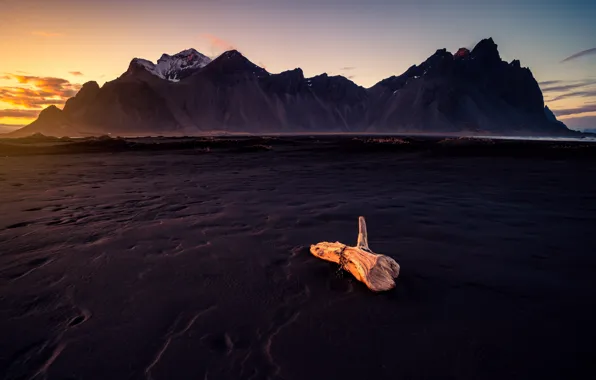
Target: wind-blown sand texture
point(194, 263)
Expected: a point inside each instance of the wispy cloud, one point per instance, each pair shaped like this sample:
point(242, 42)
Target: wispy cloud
point(575, 111)
point(560, 86)
point(37, 92)
point(582, 53)
point(76, 73)
point(347, 68)
point(575, 94)
point(27, 114)
point(550, 82)
point(57, 86)
point(28, 99)
point(217, 43)
point(40, 33)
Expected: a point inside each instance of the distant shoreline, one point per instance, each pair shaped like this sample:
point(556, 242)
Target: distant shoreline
point(215, 133)
point(530, 146)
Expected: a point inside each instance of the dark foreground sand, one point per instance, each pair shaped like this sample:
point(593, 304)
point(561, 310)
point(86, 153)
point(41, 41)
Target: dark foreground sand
point(191, 265)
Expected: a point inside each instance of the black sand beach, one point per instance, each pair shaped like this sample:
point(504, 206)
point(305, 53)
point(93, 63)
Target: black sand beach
point(190, 260)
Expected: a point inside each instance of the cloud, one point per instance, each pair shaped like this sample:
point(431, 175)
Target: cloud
point(38, 92)
point(550, 82)
point(5, 77)
point(28, 114)
point(566, 86)
point(574, 111)
point(581, 94)
point(217, 43)
point(57, 86)
point(29, 98)
point(76, 73)
point(22, 91)
point(46, 34)
point(347, 68)
point(350, 77)
point(582, 53)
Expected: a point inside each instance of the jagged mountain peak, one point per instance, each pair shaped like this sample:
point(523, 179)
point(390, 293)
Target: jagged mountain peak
point(464, 62)
point(90, 86)
point(86, 94)
point(334, 78)
point(291, 75)
point(296, 71)
point(184, 52)
point(235, 58)
point(233, 63)
point(232, 54)
point(50, 112)
point(486, 50)
point(189, 55)
point(172, 67)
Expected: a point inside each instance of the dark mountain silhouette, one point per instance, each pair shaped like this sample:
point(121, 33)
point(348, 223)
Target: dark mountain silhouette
point(51, 121)
point(469, 92)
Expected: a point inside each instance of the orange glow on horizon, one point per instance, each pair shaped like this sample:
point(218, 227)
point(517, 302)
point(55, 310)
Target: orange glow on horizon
point(49, 48)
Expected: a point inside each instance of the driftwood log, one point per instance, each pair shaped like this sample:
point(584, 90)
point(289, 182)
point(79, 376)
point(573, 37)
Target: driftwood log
point(378, 272)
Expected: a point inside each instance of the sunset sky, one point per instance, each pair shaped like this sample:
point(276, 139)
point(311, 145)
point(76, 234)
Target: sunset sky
point(50, 47)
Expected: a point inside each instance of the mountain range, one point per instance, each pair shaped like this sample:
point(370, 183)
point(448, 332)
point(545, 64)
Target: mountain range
point(469, 92)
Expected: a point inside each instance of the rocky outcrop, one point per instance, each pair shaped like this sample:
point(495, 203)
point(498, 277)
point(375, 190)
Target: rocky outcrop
point(52, 121)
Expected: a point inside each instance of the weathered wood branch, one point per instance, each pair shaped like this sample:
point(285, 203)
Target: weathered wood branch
point(378, 272)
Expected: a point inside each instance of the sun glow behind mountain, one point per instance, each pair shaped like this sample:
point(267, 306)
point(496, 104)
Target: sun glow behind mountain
point(101, 37)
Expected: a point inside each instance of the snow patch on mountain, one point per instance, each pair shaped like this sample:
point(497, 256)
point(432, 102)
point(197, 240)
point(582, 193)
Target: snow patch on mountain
point(175, 67)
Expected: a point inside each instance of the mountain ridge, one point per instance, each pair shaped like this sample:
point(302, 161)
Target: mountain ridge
point(172, 67)
point(472, 92)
